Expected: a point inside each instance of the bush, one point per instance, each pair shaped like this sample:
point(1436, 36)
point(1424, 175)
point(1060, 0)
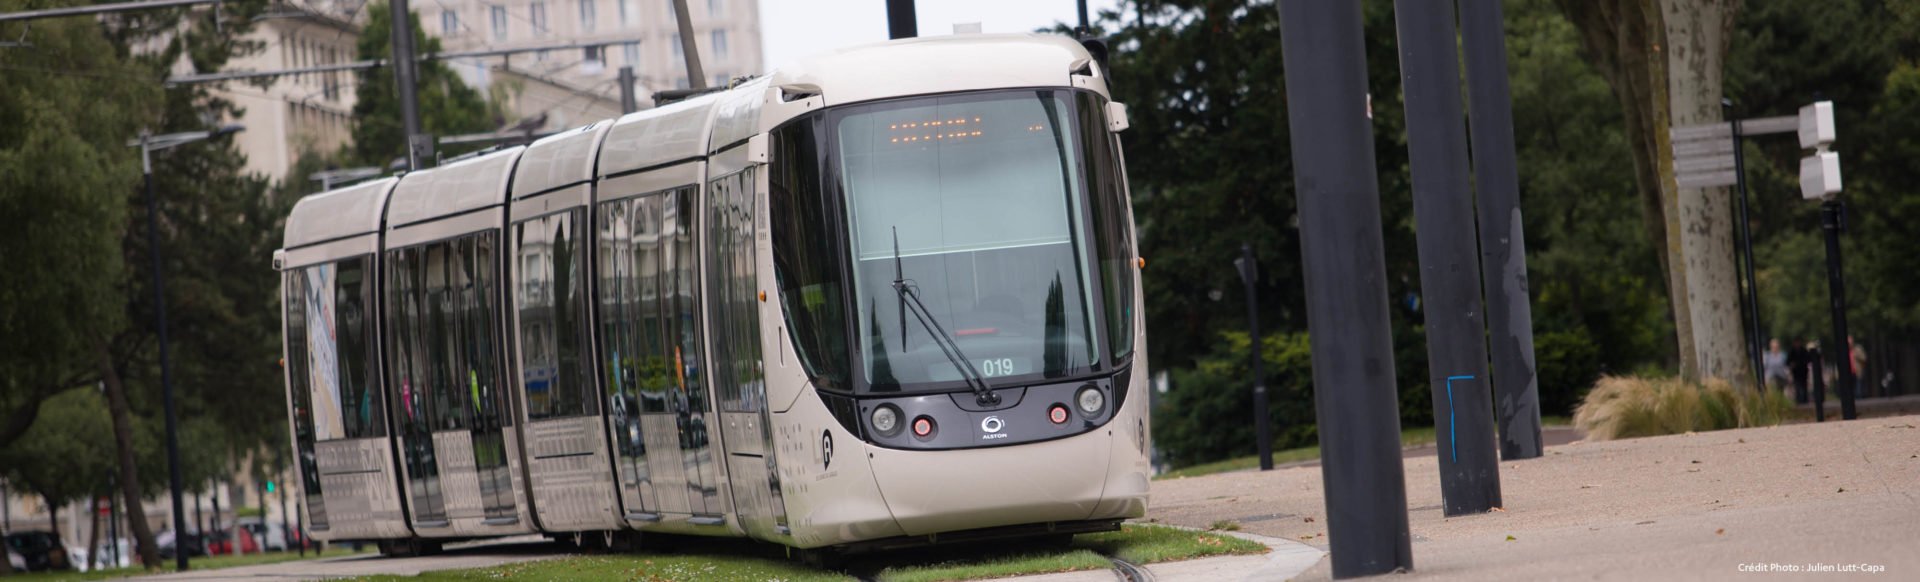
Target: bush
point(1206, 414)
point(1628, 407)
point(1566, 364)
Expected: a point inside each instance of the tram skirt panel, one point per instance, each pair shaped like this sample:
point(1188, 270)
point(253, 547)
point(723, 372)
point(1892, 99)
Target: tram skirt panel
point(357, 486)
point(572, 484)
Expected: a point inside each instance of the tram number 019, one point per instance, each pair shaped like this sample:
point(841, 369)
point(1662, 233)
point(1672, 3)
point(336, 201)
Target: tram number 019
point(996, 367)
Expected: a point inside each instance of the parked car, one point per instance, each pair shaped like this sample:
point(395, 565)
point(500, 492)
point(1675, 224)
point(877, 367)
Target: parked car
point(13, 559)
point(40, 551)
point(195, 545)
point(220, 543)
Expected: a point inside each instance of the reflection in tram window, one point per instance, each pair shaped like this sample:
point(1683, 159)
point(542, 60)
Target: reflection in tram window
point(551, 299)
point(732, 291)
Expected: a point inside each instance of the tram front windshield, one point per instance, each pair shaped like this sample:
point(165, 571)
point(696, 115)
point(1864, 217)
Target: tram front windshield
point(978, 203)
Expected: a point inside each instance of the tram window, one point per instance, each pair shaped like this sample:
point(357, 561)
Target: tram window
point(804, 259)
point(336, 370)
point(298, 385)
point(1110, 224)
point(732, 292)
point(980, 201)
point(552, 302)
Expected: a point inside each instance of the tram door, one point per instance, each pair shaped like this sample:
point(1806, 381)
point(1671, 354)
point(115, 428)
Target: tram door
point(649, 316)
point(739, 378)
point(446, 358)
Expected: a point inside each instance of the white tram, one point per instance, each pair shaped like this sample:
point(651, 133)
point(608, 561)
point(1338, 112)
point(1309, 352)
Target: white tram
point(887, 296)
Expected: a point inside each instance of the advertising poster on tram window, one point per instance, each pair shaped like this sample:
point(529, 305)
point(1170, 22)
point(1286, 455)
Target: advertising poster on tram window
point(322, 353)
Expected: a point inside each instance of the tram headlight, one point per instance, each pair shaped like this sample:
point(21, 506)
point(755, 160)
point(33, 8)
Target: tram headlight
point(886, 420)
point(1090, 401)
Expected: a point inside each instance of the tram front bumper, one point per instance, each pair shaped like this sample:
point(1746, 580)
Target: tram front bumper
point(940, 491)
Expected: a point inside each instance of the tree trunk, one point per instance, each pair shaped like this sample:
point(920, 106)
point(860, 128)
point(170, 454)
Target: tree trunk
point(1697, 33)
point(129, 475)
point(93, 534)
point(1622, 39)
point(53, 515)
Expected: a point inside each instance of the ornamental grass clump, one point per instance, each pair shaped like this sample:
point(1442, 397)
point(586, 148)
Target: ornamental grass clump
point(1627, 407)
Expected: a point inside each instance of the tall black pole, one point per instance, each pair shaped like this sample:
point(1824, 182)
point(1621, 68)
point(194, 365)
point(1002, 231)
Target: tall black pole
point(901, 21)
point(1503, 244)
point(286, 534)
point(1355, 397)
point(1833, 220)
point(1250, 274)
point(1449, 258)
point(419, 146)
point(1745, 230)
point(689, 50)
point(166, 361)
point(1085, 24)
point(629, 103)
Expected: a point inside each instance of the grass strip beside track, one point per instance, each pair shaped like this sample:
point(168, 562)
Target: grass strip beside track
point(197, 564)
point(716, 560)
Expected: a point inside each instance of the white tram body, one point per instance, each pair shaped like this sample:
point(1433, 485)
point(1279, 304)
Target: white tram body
point(886, 296)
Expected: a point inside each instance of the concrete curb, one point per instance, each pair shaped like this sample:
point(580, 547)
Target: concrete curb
point(1284, 560)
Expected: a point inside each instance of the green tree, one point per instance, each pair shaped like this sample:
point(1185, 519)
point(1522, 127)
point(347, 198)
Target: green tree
point(447, 105)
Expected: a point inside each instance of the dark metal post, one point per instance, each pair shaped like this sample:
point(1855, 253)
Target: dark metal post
point(1356, 401)
point(901, 21)
point(1833, 220)
point(286, 536)
point(1085, 24)
point(300, 523)
point(1745, 230)
point(1503, 243)
point(1250, 274)
point(1449, 261)
point(1819, 363)
point(628, 102)
point(419, 147)
point(166, 360)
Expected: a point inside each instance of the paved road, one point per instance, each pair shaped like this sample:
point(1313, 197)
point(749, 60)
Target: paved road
point(459, 556)
point(1678, 507)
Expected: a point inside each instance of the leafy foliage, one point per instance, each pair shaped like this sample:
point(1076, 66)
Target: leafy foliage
point(447, 105)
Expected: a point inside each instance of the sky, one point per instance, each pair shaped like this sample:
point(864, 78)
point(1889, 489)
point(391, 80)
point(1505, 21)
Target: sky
point(793, 29)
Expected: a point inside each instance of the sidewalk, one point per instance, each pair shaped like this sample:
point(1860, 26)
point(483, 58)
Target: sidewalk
point(1686, 506)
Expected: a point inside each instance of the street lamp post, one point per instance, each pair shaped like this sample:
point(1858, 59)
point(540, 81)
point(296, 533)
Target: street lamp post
point(1250, 274)
point(149, 144)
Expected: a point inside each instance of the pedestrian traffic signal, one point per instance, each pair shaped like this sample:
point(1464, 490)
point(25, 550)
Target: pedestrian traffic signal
point(269, 486)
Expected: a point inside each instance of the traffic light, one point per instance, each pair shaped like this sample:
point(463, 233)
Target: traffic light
point(269, 486)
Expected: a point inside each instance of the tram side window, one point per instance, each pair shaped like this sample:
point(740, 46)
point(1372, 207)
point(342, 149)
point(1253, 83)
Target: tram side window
point(551, 299)
point(804, 258)
point(298, 386)
point(333, 349)
point(731, 288)
point(1112, 239)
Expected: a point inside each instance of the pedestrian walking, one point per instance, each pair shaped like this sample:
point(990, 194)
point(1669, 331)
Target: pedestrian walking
point(1773, 365)
point(1857, 361)
point(1799, 361)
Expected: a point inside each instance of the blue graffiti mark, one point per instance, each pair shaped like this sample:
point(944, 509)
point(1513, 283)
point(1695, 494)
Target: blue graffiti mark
point(1453, 429)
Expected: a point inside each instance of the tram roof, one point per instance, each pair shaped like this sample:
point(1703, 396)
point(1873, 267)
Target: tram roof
point(338, 213)
point(941, 64)
point(559, 160)
point(658, 136)
point(454, 188)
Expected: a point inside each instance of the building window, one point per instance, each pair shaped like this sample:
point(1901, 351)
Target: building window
point(586, 15)
point(499, 14)
point(720, 44)
point(672, 15)
point(537, 14)
point(632, 53)
point(680, 83)
point(676, 46)
point(626, 10)
point(720, 79)
point(449, 23)
point(716, 7)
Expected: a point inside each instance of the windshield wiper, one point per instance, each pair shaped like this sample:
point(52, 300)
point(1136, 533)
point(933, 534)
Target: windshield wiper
point(910, 298)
